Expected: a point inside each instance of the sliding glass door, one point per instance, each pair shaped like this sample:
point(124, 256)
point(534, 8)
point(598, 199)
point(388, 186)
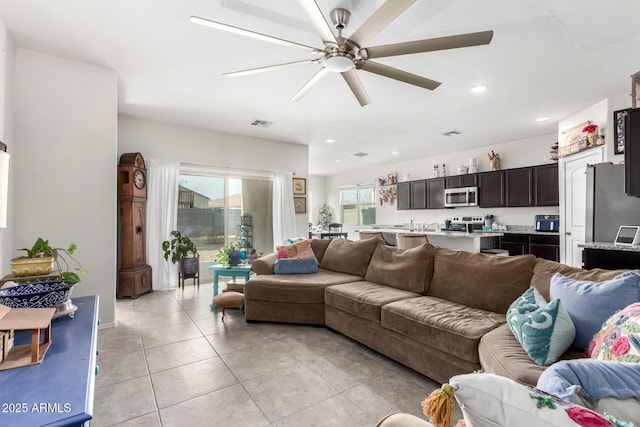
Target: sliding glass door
point(210, 211)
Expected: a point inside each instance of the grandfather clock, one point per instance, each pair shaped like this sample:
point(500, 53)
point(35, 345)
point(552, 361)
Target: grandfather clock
point(134, 277)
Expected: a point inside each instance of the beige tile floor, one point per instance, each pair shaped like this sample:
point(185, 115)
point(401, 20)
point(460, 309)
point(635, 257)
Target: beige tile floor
point(171, 361)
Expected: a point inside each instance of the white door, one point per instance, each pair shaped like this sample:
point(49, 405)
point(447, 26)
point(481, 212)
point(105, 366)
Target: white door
point(573, 194)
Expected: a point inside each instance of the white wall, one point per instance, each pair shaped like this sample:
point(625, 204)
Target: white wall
point(525, 152)
point(7, 73)
point(160, 140)
point(65, 164)
point(317, 185)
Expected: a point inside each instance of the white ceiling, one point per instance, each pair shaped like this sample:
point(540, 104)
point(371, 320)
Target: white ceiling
point(547, 58)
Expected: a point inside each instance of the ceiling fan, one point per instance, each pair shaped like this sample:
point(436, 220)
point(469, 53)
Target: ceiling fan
point(346, 55)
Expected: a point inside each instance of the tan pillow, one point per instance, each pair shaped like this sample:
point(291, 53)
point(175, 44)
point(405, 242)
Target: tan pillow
point(544, 269)
point(319, 247)
point(349, 257)
point(486, 282)
point(409, 269)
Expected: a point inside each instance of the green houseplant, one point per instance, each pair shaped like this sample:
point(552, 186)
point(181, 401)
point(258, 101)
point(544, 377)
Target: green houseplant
point(41, 258)
point(182, 250)
point(324, 215)
point(225, 254)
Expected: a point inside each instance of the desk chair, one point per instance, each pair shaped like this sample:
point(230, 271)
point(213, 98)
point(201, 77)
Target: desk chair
point(408, 241)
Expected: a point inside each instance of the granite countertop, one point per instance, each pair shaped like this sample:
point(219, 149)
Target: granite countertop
point(526, 229)
point(445, 233)
point(609, 246)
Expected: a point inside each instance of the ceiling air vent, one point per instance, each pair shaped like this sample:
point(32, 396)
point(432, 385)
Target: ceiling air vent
point(361, 154)
point(261, 123)
point(452, 132)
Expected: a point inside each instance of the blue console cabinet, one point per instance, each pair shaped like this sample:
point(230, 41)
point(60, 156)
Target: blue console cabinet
point(58, 391)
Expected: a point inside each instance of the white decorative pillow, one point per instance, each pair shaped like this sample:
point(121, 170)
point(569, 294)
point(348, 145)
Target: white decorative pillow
point(544, 330)
point(489, 400)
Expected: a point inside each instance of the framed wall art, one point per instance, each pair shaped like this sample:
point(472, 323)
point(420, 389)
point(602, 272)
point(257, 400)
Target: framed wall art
point(300, 204)
point(299, 186)
point(619, 120)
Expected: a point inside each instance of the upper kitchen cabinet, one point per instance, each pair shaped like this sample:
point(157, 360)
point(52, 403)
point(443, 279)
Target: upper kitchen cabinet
point(404, 195)
point(546, 188)
point(435, 193)
point(460, 181)
point(519, 187)
point(418, 194)
point(632, 153)
point(491, 189)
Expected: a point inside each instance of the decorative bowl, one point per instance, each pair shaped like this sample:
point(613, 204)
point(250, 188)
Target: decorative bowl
point(36, 295)
point(23, 266)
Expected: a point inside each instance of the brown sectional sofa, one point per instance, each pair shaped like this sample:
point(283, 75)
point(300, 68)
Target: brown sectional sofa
point(438, 311)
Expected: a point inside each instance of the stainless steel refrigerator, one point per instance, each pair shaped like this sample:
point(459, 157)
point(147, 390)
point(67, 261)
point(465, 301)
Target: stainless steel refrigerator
point(608, 207)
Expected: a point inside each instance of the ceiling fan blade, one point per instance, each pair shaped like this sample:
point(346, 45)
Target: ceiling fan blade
point(268, 68)
point(429, 45)
point(396, 74)
point(352, 79)
point(252, 34)
point(382, 17)
point(310, 84)
point(318, 21)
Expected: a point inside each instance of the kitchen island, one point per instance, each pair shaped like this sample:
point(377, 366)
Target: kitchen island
point(458, 240)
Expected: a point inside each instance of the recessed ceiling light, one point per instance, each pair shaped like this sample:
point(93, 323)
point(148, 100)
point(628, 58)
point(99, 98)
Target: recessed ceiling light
point(330, 141)
point(394, 153)
point(479, 88)
point(338, 161)
point(542, 119)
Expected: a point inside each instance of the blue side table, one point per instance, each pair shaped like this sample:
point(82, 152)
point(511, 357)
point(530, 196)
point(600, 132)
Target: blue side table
point(228, 271)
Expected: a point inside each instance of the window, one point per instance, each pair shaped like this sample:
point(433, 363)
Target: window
point(358, 205)
point(210, 209)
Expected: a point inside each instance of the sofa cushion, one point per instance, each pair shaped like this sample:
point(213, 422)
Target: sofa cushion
point(295, 266)
point(544, 330)
point(480, 281)
point(591, 303)
point(619, 337)
point(364, 299)
point(544, 270)
point(449, 326)
point(295, 249)
point(500, 353)
point(319, 247)
point(294, 288)
point(350, 257)
point(409, 269)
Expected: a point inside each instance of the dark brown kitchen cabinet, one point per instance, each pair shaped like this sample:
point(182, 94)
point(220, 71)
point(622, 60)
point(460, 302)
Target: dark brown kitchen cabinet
point(435, 193)
point(516, 244)
point(610, 259)
point(404, 195)
point(632, 153)
point(546, 190)
point(519, 187)
point(545, 246)
point(419, 194)
point(491, 189)
point(460, 181)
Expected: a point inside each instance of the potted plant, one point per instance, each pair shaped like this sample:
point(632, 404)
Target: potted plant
point(40, 260)
point(229, 254)
point(324, 216)
point(179, 248)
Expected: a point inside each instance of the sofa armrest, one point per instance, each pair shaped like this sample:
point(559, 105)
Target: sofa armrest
point(264, 264)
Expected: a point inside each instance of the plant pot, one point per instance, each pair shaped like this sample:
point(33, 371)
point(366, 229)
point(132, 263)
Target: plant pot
point(189, 267)
point(23, 266)
point(234, 258)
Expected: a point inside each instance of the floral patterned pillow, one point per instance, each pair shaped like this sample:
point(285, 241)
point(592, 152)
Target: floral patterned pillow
point(299, 249)
point(619, 337)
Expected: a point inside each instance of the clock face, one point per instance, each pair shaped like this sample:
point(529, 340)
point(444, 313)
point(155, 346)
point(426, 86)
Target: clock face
point(139, 179)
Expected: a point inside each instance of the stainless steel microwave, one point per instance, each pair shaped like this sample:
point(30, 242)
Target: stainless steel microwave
point(465, 196)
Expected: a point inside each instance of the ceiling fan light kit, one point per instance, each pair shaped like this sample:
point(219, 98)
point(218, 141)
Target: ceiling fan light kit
point(347, 56)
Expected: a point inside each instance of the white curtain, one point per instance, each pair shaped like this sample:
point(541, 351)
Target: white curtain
point(162, 217)
point(284, 215)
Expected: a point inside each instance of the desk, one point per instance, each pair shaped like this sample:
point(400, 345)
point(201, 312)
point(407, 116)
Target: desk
point(326, 234)
point(58, 391)
point(227, 271)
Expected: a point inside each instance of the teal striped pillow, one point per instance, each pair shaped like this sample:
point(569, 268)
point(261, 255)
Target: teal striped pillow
point(544, 330)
